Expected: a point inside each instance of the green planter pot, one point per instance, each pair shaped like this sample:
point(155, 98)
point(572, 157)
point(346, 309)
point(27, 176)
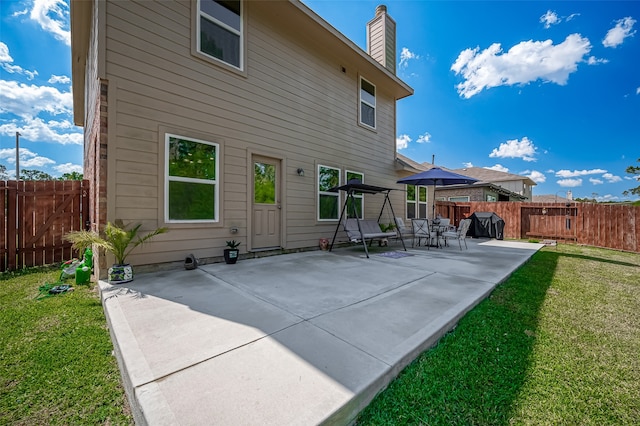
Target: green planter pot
point(119, 274)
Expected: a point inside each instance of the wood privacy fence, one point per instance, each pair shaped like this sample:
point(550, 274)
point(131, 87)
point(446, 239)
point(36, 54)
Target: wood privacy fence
point(35, 217)
point(615, 226)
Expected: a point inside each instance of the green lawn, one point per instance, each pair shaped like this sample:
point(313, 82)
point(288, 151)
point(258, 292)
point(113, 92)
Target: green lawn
point(56, 361)
point(556, 344)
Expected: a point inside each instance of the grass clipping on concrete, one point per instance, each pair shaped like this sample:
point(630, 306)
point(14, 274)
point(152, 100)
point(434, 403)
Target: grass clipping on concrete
point(558, 343)
point(56, 361)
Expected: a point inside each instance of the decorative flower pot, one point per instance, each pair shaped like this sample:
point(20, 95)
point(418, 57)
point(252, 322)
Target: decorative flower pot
point(231, 255)
point(119, 274)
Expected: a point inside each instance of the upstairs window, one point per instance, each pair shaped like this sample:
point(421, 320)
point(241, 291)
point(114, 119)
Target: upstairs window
point(220, 32)
point(367, 104)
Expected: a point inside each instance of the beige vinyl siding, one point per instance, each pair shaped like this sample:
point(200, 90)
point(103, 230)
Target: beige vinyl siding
point(292, 104)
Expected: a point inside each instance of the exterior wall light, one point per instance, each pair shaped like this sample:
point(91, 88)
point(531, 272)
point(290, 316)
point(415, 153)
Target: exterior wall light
point(300, 171)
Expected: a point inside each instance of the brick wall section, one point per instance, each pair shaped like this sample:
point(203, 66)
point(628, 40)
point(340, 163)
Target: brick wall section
point(95, 169)
point(475, 194)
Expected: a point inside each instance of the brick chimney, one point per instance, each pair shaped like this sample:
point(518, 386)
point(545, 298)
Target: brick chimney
point(381, 39)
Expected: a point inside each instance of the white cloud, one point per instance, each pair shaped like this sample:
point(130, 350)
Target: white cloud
point(402, 141)
point(570, 17)
point(53, 17)
point(638, 91)
point(498, 168)
point(62, 79)
point(523, 149)
point(536, 176)
point(468, 164)
point(616, 35)
point(611, 178)
point(68, 168)
point(6, 63)
point(4, 53)
point(608, 197)
point(525, 62)
point(405, 56)
point(570, 183)
point(424, 138)
point(28, 101)
point(575, 173)
point(596, 181)
point(28, 159)
point(595, 61)
point(550, 18)
point(36, 130)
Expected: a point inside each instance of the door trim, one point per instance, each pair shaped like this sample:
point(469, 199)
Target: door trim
point(251, 154)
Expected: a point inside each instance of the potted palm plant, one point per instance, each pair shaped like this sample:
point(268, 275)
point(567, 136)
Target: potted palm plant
point(231, 252)
point(117, 240)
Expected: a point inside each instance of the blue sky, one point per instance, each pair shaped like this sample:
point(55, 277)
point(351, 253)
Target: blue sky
point(548, 90)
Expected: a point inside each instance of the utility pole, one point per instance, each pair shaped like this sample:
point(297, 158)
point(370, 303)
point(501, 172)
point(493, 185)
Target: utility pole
point(17, 156)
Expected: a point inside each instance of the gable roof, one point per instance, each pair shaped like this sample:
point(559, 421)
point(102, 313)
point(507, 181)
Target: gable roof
point(293, 15)
point(405, 163)
point(488, 175)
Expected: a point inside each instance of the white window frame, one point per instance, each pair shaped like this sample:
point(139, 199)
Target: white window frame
point(417, 203)
point(460, 199)
point(169, 178)
point(356, 196)
point(221, 24)
point(424, 203)
point(363, 101)
point(333, 194)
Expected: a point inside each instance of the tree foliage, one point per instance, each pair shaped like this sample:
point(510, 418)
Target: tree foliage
point(634, 170)
point(3, 172)
point(71, 176)
point(35, 175)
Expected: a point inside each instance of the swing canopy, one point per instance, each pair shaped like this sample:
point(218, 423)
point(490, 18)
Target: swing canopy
point(355, 185)
point(364, 229)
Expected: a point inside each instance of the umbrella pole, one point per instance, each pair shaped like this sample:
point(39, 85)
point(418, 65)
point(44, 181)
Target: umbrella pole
point(433, 201)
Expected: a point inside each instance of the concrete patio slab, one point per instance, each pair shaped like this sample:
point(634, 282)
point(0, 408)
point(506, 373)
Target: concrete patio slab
point(305, 338)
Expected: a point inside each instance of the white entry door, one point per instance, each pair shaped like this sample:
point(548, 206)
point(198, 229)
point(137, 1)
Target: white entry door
point(266, 206)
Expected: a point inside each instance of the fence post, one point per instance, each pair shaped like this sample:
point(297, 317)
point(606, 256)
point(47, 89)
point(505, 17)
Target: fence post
point(12, 225)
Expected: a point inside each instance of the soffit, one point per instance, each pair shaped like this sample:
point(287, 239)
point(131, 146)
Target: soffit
point(306, 26)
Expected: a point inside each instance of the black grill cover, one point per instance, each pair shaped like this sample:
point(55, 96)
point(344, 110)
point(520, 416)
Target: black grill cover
point(486, 224)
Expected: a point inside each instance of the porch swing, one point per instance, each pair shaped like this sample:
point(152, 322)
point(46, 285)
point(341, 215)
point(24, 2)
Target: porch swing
point(364, 230)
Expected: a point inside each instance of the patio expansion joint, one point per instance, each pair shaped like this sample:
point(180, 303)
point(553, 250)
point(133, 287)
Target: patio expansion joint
point(204, 360)
point(375, 296)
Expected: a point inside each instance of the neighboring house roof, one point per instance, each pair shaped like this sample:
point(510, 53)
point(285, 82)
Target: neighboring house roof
point(405, 163)
point(488, 175)
point(293, 15)
point(489, 185)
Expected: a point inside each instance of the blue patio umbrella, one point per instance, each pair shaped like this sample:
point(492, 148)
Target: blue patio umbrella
point(437, 177)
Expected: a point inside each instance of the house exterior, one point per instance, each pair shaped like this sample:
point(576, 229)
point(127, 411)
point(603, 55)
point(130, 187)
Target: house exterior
point(479, 191)
point(230, 120)
point(498, 186)
point(419, 199)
